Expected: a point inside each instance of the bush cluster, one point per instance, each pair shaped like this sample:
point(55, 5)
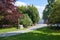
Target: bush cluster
point(26, 21)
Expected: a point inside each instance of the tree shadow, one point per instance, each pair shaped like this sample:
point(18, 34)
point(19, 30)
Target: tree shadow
point(32, 36)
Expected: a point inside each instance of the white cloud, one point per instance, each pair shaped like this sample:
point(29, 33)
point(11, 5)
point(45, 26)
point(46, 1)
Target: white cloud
point(18, 3)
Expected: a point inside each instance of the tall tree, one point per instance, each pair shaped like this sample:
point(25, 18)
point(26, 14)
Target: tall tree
point(33, 14)
point(9, 11)
point(54, 17)
point(31, 11)
point(48, 10)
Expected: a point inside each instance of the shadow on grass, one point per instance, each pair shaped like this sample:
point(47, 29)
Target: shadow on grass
point(48, 30)
point(40, 34)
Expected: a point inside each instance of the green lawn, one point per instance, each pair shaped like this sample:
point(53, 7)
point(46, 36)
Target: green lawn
point(7, 30)
point(10, 29)
point(40, 34)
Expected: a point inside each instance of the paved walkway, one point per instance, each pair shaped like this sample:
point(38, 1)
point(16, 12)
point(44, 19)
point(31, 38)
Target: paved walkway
point(23, 31)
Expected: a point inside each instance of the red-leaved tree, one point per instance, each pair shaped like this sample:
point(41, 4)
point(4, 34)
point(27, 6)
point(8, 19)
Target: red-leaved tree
point(10, 12)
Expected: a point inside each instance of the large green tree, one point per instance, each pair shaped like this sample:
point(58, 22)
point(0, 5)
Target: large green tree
point(33, 14)
point(54, 17)
point(26, 21)
point(48, 10)
point(31, 11)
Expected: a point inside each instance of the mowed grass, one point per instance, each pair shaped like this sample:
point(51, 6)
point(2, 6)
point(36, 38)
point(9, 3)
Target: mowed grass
point(8, 30)
point(4, 30)
point(40, 34)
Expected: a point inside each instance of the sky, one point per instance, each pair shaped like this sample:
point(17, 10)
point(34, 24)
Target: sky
point(39, 4)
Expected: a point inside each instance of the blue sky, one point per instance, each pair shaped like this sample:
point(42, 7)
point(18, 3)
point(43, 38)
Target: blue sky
point(35, 2)
point(40, 4)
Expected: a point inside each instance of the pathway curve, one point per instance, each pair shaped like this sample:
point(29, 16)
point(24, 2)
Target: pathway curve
point(23, 31)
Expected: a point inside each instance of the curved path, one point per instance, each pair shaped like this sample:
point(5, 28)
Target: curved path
point(23, 31)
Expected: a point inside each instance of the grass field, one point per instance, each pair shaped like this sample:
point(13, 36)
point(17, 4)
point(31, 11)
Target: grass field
point(7, 30)
point(10, 29)
point(40, 34)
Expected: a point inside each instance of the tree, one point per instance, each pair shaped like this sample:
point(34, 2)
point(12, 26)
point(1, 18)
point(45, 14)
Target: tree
point(22, 9)
point(31, 11)
point(54, 17)
point(9, 12)
point(48, 10)
point(33, 14)
point(26, 21)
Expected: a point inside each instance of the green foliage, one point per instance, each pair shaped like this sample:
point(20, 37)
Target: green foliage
point(31, 11)
point(54, 17)
point(50, 1)
point(46, 12)
point(33, 14)
point(22, 9)
point(48, 9)
point(26, 21)
point(0, 17)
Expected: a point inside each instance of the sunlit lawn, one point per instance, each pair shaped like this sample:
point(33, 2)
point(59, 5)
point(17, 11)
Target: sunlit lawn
point(4, 30)
point(7, 30)
point(40, 34)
